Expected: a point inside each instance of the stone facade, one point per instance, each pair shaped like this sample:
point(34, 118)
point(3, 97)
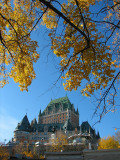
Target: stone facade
point(58, 111)
point(59, 115)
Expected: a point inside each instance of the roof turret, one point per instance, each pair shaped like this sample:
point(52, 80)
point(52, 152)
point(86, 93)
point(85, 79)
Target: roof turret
point(85, 126)
point(77, 111)
point(24, 125)
point(40, 112)
point(34, 125)
point(34, 122)
point(98, 135)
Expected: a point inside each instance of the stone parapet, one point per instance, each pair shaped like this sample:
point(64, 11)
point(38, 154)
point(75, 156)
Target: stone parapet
point(106, 154)
point(112, 154)
point(64, 156)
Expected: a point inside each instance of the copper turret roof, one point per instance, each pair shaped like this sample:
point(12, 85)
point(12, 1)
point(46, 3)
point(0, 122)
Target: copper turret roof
point(24, 125)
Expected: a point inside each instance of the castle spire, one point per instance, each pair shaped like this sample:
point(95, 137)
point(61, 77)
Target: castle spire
point(40, 116)
point(40, 112)
point(77, 111)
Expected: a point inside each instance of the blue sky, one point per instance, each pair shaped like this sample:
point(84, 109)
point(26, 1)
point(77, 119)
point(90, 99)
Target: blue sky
point(14, 104)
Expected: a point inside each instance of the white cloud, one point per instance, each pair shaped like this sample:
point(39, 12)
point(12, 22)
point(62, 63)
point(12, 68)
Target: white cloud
point(7, 125)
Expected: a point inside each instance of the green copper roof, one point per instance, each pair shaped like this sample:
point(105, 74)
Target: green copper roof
point(60, 100)
point(57, 103)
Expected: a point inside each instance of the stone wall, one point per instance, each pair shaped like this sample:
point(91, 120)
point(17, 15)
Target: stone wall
point(113, 154)
point(64, 156)
point(41, 149)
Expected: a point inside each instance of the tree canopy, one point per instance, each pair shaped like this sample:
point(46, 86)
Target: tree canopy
point(57, 144)
point(85, 38)
point(4, 153)
point(108, 143)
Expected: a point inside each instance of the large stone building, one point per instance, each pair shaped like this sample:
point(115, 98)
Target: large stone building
point(59, 115)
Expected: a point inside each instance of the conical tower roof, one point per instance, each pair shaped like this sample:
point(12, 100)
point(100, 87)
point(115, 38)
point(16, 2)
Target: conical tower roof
point(34, 122)
point(24, 125)
point(85, 127)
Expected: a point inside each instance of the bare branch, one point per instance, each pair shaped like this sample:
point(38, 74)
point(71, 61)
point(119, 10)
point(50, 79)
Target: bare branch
point(103, 99)
point(35, 24)
point(104, 9)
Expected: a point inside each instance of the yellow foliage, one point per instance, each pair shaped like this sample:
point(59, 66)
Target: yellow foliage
point(4, 154)
point(94, 62)
point(41, 156)
point(28, 154)
point(49, 19)
point(59, 142)
point(108, 143)
point(17, 50)
point(79, 62)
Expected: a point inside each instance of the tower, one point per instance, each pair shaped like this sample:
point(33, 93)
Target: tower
point(40, 117)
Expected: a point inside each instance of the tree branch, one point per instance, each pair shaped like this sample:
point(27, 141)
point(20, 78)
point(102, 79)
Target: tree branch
point(105, 95)
point(48, 4)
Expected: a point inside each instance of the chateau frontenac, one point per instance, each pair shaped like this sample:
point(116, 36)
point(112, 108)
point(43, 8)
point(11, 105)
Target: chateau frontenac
point(59, 115)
